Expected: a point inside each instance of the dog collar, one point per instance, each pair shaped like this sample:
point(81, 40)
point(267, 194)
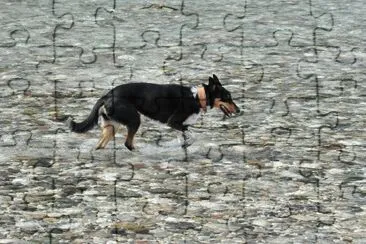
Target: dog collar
point(201, 94)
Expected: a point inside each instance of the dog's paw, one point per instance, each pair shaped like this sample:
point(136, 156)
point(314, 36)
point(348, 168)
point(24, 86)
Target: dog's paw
point(129, 147)
point(188, 139)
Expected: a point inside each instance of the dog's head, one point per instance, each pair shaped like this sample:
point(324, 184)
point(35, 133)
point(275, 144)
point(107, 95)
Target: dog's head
point(220, 98)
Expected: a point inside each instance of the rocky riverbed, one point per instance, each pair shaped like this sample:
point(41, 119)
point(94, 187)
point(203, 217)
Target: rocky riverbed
point(290, 168)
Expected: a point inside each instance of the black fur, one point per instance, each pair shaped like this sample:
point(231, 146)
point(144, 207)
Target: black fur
point(89, 122)
point(170, 104)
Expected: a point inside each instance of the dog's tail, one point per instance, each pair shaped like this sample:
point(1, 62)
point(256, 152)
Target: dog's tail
point(89, 122)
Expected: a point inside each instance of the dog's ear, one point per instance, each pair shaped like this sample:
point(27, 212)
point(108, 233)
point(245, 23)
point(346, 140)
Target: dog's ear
point(216, 80)
point(213, 83)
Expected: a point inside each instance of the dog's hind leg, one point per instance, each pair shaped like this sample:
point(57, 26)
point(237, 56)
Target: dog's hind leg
point(108, 133)
point(109, 129)
point(127, 114)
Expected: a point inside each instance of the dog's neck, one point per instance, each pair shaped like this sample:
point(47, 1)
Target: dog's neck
point(199, 93)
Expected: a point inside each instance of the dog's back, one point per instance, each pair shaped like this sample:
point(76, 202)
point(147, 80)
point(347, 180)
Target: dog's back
point(158, 102)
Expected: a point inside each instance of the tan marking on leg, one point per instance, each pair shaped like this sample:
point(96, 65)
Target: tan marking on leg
point(108, 133)
point(109, 129)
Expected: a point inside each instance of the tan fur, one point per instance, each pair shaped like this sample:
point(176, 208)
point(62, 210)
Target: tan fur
point(109, 130)
point(108, 133)
point(229, 106)
point(202, 98)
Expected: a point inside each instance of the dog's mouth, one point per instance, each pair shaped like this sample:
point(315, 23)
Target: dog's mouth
point(228, 108)
point(225, 110)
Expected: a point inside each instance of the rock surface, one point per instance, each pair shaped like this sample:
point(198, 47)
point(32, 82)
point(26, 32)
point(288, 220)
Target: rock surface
point(289, 169)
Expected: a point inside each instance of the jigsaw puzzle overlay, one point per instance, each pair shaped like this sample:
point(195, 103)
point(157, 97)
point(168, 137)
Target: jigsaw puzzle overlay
point(289, 169)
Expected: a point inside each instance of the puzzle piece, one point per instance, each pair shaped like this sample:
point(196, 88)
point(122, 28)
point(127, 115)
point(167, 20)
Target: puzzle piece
point(274, 71)
point(68, 44)
point(343, 25)
point(166, 36)
point(330, 86)
point(275, 17)
point(289, 167)
point(17, 138)
point(18, 35)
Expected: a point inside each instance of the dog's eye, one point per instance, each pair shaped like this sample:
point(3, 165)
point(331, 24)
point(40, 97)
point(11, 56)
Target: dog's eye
point(226, 96)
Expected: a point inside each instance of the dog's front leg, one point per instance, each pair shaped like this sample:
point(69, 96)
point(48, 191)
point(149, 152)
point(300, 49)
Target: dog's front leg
point(188, 138)
point(186, 134)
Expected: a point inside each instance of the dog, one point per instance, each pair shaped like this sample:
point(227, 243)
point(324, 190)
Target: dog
point(175, 105)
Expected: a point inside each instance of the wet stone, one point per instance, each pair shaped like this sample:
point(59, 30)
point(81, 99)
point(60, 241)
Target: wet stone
point(182, 224)
point(288, 168)
point(41, 162)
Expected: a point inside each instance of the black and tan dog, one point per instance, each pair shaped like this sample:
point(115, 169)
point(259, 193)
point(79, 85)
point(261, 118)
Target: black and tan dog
point(177, 106)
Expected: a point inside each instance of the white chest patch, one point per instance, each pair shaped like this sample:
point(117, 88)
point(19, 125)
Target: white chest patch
point(192, 119)
point(194, 91)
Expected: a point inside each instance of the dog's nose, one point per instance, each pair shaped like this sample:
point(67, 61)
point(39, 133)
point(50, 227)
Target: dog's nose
point(237, 109)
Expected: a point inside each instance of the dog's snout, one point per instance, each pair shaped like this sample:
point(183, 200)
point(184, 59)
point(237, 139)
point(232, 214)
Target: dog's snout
point(237, 110)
